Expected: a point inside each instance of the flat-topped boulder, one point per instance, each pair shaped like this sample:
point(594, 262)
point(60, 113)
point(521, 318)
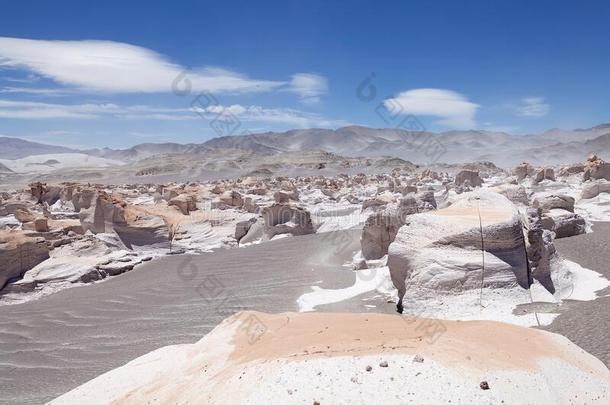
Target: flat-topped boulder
point(549, 201)
point(442, 248)
point(184, 202)
point(468, 178)
point(566, 223)
point(285, 218)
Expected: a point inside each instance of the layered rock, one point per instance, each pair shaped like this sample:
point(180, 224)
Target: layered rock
point(184, 202)
point(566, 223)
point(284, 218)
point(544, 174)
point(540, 248)
point(43, 193)
point(549, 201)
point(439, 249)
point(19, 253)
point(595, 188)
point(242, 228)
point(596, 168)
point(102, 214)
point(523, 170)
point(378, 201)
point(24, 215)
point(468, 178)
point(284, 197)
point(381, 227)
point(232, 199)
point(141, 229)
point(515, 193)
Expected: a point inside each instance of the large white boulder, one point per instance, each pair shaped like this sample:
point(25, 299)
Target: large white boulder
point(443, 249)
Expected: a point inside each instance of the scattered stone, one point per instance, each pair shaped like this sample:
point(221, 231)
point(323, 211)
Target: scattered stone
point(548, 201)
point(596, 168)
point(41, 225)
point(242, 228)
point(184, 202)
point(523, 170)
point(470, 176)
point(360, 265)
point(484, 385)
point(418, 359)
point(369, 368)
point(383, 363)
point(284, 218)
point(24, 215)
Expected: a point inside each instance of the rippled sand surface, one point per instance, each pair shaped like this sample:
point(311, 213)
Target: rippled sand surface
point(58, 342)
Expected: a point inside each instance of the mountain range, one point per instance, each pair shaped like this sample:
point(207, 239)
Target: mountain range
point(555, 146)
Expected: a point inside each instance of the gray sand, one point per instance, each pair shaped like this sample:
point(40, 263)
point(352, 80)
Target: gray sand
point(588, 323)
point(54, 344)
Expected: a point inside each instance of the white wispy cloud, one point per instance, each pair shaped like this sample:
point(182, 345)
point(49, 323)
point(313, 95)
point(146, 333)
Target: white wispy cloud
point(453, 109)
point(533, 107)
point(280, 116)
point(32, 110)
point(36, 91)
point(274, 116)
point(309, 86)
point(116, 67)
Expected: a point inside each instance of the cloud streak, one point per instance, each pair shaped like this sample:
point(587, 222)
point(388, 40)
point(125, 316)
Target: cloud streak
point(114, 67)
point(533, 107)
point(453, 109)
point(308, 86)
point(30, 110)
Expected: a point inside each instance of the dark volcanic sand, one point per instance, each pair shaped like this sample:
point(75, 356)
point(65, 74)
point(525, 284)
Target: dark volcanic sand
point(587, 323)
point(54, 344)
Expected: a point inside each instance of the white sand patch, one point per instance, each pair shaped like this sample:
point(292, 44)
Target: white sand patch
point(50, 162)
point(366, 280)
point(594, 209)
point(10, 221)
point(571, 280)
point(345, 380)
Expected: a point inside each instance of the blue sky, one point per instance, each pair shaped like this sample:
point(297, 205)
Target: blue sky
point(102, 75)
